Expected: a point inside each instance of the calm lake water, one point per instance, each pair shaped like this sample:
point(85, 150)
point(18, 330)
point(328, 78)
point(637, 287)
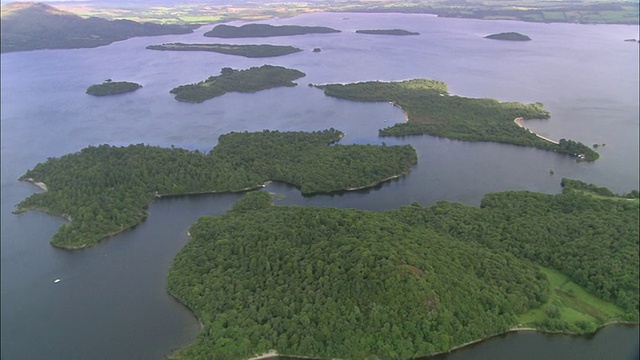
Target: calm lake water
point(111, 302)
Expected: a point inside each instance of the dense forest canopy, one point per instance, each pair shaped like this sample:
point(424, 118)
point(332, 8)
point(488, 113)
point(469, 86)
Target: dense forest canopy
point(589, 237)
point(431, 110)
point(112, 87)
point(265, 30)
point(248, 80)
point(350, 284)
point(30, 26)
point(105, 189)
point(250, 51)
point(334, 283)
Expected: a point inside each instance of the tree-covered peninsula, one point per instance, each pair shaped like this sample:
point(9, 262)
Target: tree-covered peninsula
point(230, 80)
point(250, 51)
point(431, 110)
point(112, 87)
point(583, 233)
point(104, 190)
point(31, 26)
point(387, 32)
point(265, 30)
point(509, 36)
point(351, 284)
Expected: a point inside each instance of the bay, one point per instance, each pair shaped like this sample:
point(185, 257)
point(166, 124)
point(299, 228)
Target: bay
point(111, 301)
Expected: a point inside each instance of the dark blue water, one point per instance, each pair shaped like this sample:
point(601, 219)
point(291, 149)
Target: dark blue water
point(112, 302)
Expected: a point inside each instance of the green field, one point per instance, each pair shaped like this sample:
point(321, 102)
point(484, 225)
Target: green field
point(577, 308)
point(197, 13)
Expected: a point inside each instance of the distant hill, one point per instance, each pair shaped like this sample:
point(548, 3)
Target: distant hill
point(32, 26)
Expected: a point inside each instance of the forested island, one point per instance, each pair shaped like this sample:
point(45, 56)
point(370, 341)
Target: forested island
point(104, 190)
point(352, 284)
point(250, 51)
point(431, 110)
point(387, 32)
point(231, 80)
point(31, 26)
point(112, 87)
point(265, 30)
point(509, 36)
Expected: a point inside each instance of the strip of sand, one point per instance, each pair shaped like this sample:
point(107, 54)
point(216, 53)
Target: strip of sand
point(518, 122)
point(41, 185)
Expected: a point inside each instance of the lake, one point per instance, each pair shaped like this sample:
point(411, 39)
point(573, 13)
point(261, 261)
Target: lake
point(111, 302)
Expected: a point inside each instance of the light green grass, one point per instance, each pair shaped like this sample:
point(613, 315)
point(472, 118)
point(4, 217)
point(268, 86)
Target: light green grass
point(533, 17)
point(554, 15)
point(201, 19)
point(573, 302)
point(614, 198)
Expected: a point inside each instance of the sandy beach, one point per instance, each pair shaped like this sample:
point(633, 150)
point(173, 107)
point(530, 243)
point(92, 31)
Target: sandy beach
point(41, 185)
point(518, 122)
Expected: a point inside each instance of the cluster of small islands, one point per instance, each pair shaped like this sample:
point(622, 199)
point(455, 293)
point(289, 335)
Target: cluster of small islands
point(345, 283)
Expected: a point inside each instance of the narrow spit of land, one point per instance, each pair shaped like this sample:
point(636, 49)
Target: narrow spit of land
point(106, 189)
point(250, 51)
point(518, 122)
point(431, 110)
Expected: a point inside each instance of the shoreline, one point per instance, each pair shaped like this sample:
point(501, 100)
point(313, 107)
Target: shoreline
point(39, 184)
point(274, 354)
point(406, 114)
point(259, 186)
point(268, 354)
point(476, 341)
point(523, 329)
point(157, 195)
point(378, 182)
point(518, 122)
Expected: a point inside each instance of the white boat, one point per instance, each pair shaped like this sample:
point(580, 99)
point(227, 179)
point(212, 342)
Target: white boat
point(56, 281)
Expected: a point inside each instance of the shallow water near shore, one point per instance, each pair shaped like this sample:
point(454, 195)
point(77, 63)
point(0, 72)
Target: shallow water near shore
point(111, 302)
